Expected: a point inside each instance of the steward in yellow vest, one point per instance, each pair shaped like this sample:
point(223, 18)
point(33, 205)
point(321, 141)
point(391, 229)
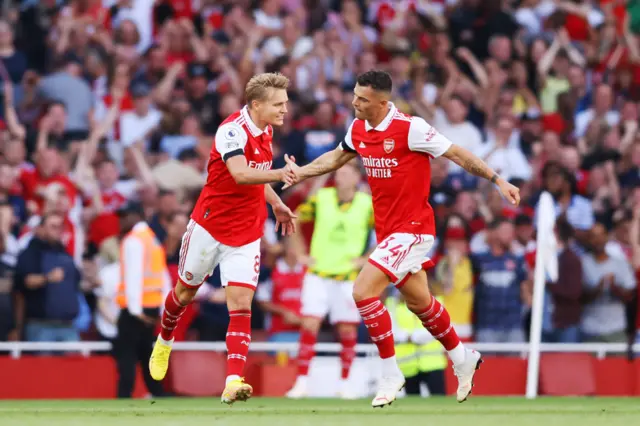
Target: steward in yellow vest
point(412, 340)
point(343, 221)
point(144, 281)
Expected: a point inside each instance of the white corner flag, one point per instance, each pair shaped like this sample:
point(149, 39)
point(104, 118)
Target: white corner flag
point(546, 268)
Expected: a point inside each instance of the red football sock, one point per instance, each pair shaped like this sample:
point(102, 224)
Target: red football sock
point(436, 319)
point(378, 322)
point(238, 340)
point(307, 351)
point(173, 310)
point(348, 352)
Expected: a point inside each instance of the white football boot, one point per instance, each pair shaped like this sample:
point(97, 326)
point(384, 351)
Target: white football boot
point(299, 389)
point(465, 372)
point(346, 391)
point(388, 389)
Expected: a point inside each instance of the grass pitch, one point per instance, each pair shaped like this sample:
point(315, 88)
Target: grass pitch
point(477, 411)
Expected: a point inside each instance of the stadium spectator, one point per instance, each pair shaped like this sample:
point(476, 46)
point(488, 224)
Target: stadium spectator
point(49, 281)
point(609, 283)
point(68, 87)
point(107, 308)
point(7, 266)
point(577, 209)
point(502, 278)
point(453, 277)
point(563, 301)
point(342, 218)
point(280, 297)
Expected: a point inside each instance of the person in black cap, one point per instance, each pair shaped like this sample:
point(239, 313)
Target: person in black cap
point(145, 281)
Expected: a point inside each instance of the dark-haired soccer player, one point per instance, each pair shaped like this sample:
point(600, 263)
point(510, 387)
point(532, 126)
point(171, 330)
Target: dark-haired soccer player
point(396, 150)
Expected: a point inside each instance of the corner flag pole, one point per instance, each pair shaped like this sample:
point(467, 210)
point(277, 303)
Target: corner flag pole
point(546, 263)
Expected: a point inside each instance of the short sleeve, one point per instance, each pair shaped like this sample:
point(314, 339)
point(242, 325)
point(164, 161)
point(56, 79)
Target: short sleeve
point(230, 140)
point(423, 137)
point(347, 142)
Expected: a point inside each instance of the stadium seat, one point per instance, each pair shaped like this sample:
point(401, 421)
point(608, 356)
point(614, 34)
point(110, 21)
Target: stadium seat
point(567, 374)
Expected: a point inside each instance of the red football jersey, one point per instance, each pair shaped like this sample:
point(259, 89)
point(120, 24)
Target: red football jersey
point(235, 214)
point(107, 224)
point(396, 155)
point(286, 292)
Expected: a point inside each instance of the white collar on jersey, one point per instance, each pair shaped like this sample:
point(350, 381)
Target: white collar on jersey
point(255, 130)
point(384, 124)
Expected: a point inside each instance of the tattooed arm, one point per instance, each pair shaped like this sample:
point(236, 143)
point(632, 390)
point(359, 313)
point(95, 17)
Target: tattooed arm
point(477, 167)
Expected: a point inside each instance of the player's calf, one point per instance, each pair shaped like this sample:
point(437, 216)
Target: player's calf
point(436, 320)
point(238, 336)
point(308, 338)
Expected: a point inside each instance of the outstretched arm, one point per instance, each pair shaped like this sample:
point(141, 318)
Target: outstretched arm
point(477, 167)
point(326, 163)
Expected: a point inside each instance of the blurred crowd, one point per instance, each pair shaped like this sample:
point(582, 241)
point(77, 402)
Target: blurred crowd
point(105, 101)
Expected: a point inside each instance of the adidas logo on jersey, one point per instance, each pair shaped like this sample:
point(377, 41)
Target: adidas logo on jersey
point(362, 145)
point(256, 151)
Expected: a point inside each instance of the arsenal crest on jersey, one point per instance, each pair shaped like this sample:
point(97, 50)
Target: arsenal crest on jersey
point(388, 145)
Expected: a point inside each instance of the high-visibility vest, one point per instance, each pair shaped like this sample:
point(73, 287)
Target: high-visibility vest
point(154, 269)
point(409, 363)
point(339, 235)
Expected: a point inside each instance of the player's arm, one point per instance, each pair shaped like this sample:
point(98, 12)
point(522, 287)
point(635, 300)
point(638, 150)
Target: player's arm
point(264, 297)
point(471, 163)
point(270, 195)
point(306, 212)
point(326, 163)
point(230, 141)
point(285, 219)
point(245, 175)
point(425, 138)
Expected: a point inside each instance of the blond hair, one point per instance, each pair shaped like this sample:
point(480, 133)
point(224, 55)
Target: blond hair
point(258, 87)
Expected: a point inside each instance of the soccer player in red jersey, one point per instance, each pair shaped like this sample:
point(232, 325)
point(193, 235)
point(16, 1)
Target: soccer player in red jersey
point(396, 150)
point(227, 224)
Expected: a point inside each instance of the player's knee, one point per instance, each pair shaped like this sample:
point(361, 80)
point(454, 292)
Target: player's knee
point(347, 331)
point(185, 294)
point(239, 298)
point(360, 293)
point(417, 303)
point(310, 324)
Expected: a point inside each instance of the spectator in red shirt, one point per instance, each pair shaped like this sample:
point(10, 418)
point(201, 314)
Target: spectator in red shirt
point(280, 297)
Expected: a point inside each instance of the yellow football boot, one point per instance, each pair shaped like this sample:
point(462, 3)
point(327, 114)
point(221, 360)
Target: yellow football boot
point(159, 361)
point(236, 390)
